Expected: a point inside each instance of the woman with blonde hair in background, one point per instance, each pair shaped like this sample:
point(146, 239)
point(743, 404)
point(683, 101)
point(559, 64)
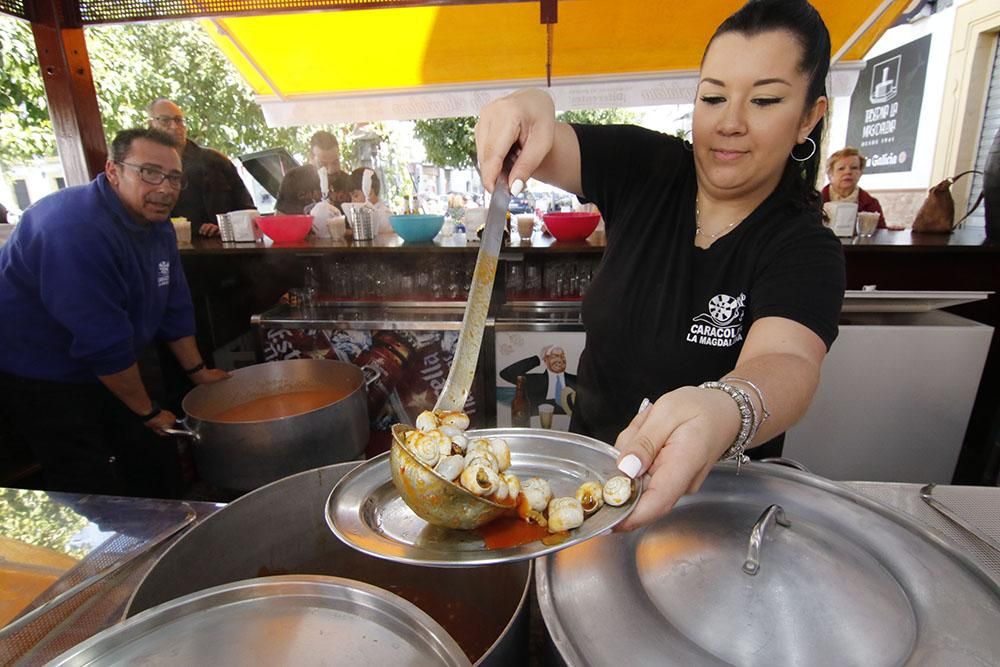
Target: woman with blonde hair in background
point(844, 169)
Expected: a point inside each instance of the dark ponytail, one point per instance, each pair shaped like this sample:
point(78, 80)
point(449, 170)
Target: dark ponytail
point(800, 19)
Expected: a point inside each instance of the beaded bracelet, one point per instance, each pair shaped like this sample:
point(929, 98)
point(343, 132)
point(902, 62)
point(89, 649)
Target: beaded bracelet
point(760, 395)
point(748, 421)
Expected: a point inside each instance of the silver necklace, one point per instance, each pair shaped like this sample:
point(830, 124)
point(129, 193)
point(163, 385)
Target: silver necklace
point(699, 230)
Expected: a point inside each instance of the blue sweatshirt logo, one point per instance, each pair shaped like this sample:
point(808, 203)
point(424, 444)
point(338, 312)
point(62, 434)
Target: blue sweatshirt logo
point(164, 278)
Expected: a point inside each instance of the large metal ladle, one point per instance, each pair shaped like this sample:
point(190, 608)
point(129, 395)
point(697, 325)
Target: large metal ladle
point(470, 338)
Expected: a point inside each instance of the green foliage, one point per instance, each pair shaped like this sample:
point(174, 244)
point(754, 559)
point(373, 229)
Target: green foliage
point(598, 117)
point(32, 517)
point(132, 65)
point(25, 130)
point(449, 142)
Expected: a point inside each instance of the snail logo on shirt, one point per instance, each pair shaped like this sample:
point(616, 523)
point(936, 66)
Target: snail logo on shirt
point(722, 324)
point(164, 277)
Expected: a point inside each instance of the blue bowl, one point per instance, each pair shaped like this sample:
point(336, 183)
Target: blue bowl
point(416, 228)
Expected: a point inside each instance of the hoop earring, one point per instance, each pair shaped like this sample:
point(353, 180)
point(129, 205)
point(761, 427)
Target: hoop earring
point(811, 153)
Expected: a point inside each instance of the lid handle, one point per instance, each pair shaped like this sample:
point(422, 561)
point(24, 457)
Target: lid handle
point(752, 564)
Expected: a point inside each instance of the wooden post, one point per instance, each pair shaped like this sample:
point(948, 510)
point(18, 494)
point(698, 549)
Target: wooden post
point(69, 88)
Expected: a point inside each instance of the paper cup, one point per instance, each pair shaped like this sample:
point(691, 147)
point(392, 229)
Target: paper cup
point(525, 225)
point(182, 228)
point(336, 226)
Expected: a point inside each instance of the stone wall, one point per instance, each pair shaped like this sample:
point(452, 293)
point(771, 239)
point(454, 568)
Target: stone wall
point(899, 206)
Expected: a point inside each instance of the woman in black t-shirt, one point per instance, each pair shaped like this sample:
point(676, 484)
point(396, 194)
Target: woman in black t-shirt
point(720, 290)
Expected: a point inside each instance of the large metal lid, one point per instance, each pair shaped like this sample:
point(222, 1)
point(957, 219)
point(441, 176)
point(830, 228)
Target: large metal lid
point(826, 578)
point(285, 620)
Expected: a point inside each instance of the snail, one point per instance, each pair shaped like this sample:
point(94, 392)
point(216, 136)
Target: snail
point(483, 458)
point(480, 480)
point(513, 484)
point(450, 467)
point(427, 421)
point(565, 514)
point(478, 445)
point(459, 444)
point(537, 492)
point(501, 451)
point(591, 497)
point(426, 448)
point(617, 490)
point(455, 419)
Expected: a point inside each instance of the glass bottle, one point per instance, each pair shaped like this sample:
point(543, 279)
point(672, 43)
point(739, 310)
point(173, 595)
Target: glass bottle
point(520, 409)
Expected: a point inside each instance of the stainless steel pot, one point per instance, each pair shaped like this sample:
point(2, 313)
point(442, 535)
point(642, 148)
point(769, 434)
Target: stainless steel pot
point(246, 455)
point(281, 529)
point(772, 567)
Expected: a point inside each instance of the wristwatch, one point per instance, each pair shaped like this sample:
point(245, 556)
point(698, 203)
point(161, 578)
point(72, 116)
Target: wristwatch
point(152, 413)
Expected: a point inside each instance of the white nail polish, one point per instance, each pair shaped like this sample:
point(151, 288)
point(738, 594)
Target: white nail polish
point(642, 406)
point(630, 465)
point(516, 187)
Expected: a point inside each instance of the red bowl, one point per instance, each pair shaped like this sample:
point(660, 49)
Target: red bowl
point(574, 226)
point(285, 228)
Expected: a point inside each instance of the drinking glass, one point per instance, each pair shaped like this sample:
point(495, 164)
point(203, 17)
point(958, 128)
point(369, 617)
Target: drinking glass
point(545, 411)
point(867, 223)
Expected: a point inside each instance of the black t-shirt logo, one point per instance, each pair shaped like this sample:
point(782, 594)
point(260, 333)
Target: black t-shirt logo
point(722, 324)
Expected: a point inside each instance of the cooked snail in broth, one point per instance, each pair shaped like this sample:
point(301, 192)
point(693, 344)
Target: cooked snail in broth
point(480, 467)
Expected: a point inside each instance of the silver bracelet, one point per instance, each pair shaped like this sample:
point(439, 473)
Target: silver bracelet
point(748, 421)
point(760, 395)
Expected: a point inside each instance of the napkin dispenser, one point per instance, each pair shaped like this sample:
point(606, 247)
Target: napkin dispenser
point(239, 226)
point(842, 216)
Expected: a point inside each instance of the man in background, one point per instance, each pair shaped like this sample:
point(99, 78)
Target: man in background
point(89, 277)
point(553, 385)
point(214, 185)
point(324, 151)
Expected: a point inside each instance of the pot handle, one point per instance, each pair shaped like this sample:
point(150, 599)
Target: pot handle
point(752, 564)
point(370, 375)
point(183, 431)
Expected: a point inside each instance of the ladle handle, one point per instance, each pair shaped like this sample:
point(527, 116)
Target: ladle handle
point(752, 564)
point(466, 358)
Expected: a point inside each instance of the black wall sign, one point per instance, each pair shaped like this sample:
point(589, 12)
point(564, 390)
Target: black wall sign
point(885, 107)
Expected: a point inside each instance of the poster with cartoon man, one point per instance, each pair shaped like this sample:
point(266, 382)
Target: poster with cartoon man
point(548, 361)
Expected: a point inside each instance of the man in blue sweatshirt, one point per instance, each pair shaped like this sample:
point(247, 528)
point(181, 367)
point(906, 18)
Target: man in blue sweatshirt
point(91, 276)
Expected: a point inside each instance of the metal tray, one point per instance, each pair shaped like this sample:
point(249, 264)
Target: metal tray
point(285, 620)
point(366, 512)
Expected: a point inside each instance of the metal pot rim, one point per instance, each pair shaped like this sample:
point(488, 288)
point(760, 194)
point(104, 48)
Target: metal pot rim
point(235, 376)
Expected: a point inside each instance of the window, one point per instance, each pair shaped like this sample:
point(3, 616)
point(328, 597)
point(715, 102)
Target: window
point(991, 125)
point(21, 194)
point(60, 182)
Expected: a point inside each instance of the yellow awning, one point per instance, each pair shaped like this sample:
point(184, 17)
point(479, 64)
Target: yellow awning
point(449, 60)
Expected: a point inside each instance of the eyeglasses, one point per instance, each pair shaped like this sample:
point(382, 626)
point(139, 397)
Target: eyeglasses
point(168, 120)
point(154, 176)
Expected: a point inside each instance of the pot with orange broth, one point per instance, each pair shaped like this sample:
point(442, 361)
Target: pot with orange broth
point(272, 420)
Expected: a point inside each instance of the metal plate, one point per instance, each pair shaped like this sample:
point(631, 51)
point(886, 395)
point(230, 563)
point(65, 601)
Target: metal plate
point(286, 620)
point(849, 582)
point(365, 510)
